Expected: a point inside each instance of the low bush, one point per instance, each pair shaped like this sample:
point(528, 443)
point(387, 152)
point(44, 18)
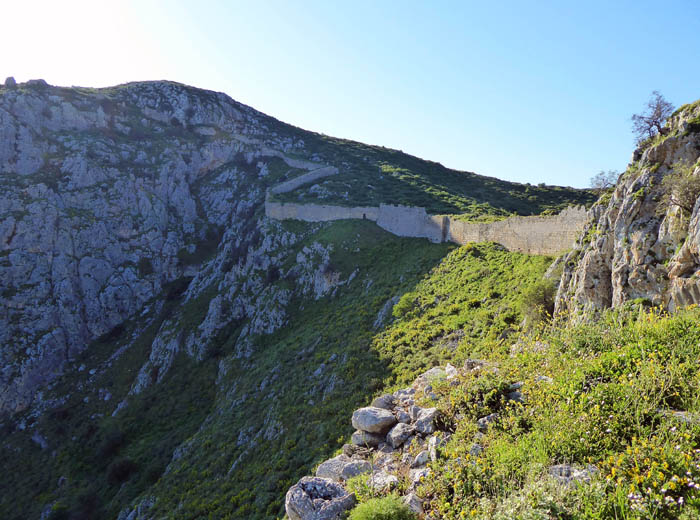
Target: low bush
point(120, 470)
point(386, 508)
point(537, 301)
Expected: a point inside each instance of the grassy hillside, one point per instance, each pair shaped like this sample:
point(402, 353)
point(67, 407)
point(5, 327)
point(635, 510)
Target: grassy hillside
point(370, 175)
point(274, 415)
point(224, 430)
point(331, 359)
point(621, 398)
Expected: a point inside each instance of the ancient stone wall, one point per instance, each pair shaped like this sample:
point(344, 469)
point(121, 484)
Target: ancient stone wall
point(408, 221)
point(294, 162)
point(314, 175)
point(537, 235)
point(318, 212)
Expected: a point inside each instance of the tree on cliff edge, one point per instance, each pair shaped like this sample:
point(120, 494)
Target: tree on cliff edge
point(650, 122)
point(604, 180)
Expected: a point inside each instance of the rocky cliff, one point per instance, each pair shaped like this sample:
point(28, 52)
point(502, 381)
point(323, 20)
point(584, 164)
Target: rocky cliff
point(107, 196)
point(640, 244)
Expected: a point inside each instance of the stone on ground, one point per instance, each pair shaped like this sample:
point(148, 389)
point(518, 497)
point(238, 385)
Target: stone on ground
point(314, 498)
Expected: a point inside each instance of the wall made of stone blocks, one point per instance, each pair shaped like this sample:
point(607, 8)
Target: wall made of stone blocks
point(537, 235)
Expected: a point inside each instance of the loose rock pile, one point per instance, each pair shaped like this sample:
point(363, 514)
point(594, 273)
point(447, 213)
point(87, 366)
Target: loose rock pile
point(394, 437)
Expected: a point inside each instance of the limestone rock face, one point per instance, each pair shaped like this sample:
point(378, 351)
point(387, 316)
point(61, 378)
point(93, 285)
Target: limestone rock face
point(107, 198)
point(373, 420)
point(314, 498)
point(632, 247)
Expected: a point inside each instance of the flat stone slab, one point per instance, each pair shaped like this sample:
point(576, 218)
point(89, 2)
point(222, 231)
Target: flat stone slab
point(342, 468)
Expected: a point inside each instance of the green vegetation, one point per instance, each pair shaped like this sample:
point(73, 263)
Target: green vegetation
point(108, 461)
point(622, 398)
point(472, 298)
point(386, 508)
point(537, 301)
point(275, 401)
point(370, 175)
point(680, 188)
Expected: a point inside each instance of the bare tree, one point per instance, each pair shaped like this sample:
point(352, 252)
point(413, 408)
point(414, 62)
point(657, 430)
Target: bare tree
point(604, 180)
point(650, 122)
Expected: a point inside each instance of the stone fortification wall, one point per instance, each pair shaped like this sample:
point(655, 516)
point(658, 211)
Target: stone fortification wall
point(302, 164)
point(537, 235)
point(318, 212)
point(407, 221)
point(292, 184)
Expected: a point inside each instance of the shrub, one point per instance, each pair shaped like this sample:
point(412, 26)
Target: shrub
point(680, 188)
point(112, 440)
point(387, 508)
point(145, 266)
point(120, 470)
point(59, 511)
point(404, 305)
point(175, 289)
point(537, 301)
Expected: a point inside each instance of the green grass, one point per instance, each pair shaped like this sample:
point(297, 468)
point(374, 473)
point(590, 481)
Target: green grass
point(371, 175)
point(614, 385)
point(386, 508)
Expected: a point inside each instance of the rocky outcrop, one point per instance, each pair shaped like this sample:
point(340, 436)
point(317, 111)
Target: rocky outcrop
point(400, 458)
point(108, 197)
point(634, 247)
point(395, 439)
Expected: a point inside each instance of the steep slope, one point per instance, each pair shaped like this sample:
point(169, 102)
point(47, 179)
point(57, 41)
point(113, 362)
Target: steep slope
point(159, 337)
point(595, 417)
point(376, 174)
point(640, 244)
point(593, 420)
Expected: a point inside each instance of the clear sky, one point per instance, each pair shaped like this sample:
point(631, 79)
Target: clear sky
point(538, 91)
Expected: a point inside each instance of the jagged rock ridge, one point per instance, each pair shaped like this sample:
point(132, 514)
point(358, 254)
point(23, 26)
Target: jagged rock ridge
point(633, 247)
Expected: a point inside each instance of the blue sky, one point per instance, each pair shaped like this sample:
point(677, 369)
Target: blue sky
point(525, 91)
